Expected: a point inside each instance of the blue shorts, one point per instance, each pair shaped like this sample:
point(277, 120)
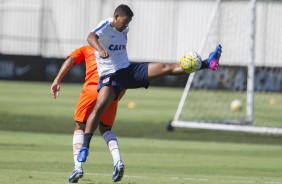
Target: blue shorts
point(134, 76)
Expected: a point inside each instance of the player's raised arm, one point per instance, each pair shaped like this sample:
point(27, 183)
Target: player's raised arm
point(67, 65)
point(92, 39)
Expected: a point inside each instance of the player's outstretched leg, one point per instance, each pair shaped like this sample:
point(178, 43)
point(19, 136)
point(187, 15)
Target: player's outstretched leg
point(118, 171)
point(76, 175)
point(214, 57)
point(83, 153)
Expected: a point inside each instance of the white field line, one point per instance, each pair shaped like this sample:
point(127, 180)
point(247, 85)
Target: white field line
point(153, 177)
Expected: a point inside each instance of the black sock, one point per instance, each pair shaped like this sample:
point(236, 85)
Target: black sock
point(87, 139)
point(205, 65)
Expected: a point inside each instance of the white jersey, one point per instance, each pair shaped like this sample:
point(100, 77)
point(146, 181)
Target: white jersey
point(114, 42)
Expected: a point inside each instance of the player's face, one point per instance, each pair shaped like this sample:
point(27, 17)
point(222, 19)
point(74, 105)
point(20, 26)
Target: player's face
point(121, 22)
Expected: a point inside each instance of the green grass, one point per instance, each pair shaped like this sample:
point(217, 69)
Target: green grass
point(29, 106)
point(24, 100)
point(34, 99)
point(265, 112)
point(36, 137)
point(37, 158)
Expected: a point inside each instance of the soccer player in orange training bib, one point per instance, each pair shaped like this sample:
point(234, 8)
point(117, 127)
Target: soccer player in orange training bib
point(86, 101)
point(116, 73)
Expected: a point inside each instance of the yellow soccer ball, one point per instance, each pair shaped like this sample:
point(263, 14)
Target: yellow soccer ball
point(236, 105)
point(190, 62)
point(131, 105)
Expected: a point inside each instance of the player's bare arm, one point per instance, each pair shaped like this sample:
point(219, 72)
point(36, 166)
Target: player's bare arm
point(92, 39)
point(67, 65)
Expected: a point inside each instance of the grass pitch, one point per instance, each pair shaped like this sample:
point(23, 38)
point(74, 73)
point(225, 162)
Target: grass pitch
point(37, 158)
point(36, 138)
point(29, 106)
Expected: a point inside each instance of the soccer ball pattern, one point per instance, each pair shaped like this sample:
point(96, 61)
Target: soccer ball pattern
point(190, 62)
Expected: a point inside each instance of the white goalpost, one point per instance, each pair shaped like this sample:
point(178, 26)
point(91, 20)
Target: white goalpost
point(245, 122)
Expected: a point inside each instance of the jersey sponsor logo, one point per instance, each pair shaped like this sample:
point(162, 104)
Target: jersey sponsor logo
point(117, 47)
point(106, 80)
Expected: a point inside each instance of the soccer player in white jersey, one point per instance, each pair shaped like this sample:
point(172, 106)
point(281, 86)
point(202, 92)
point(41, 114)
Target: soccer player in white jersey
point(112, 56)
point(116, 73)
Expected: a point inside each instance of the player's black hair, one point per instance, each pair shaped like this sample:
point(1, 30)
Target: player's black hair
point(123, 10)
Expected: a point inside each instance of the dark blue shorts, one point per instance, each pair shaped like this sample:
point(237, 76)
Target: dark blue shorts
point(134, 76)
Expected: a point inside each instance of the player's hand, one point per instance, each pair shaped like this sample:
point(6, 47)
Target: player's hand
point(55, 89)
point(103, 54)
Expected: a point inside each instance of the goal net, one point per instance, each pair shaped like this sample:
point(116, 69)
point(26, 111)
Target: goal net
point(250, 72)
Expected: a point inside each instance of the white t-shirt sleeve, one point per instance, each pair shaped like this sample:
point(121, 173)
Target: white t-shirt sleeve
point(98, 30)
